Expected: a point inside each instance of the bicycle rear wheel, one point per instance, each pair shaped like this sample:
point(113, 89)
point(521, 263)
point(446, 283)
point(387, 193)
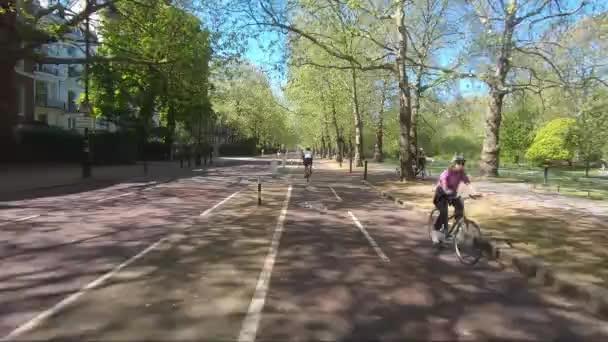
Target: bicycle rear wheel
point(467, 242)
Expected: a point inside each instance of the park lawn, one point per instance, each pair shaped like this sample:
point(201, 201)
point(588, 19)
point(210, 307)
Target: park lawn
point(571, 182)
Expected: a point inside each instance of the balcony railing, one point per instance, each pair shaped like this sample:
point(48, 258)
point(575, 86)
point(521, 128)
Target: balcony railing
point(50, 69)
point(43, 101)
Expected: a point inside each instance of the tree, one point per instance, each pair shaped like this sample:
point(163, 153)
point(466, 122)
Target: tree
point(553, 142)
point(176, 80)
point(383, 25)
point(516, 37)
point(591, 130)
point(245, 102)
point(517, 130)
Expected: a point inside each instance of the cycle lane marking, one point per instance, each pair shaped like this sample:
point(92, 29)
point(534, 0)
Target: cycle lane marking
point(252, 319)
point(66, 302)
point(335, 194)
point(19, 220)
point(369, 238)
point(114, 197)
point(206, 212)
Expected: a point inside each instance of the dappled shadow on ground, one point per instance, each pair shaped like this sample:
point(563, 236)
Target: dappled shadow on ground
point(329, 284)
point(46, 258)
point(565, 235)
point(160, 171)
point(196, 285)
point(573, 242)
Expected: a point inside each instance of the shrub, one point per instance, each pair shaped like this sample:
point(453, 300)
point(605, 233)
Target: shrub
point(48, 144)
point(553, 142)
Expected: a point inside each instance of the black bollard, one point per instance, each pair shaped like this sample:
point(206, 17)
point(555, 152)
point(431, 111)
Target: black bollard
point(365, 170)
point(546, 175)
point(259, 192)
point(350, 167)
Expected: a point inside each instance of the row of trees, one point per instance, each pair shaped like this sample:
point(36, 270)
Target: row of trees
point(424, 49)
point(152, 58)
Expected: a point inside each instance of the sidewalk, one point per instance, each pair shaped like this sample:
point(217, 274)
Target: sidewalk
point(23, 178)
point(569, 234)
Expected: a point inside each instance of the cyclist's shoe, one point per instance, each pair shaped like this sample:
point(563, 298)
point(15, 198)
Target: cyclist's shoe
point(436, 237)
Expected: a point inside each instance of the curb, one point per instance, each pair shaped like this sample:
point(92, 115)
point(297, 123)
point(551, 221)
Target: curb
point(594, 298)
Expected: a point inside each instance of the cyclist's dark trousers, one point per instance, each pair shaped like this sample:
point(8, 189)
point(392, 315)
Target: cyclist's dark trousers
point(442, 201)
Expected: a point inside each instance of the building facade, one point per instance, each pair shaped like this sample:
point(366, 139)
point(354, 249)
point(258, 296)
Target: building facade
point(50, 93)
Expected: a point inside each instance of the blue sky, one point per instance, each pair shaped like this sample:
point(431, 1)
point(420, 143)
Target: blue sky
point(268, 59)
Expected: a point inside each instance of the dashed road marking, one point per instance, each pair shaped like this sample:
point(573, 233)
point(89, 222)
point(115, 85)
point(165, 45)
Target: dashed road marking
point(19, 220)
point(114, 197)
point(206, 212)
point(335, 194)
point(371, 240)
point(52, 311)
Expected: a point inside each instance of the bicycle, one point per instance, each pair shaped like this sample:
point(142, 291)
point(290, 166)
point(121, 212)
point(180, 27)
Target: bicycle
point(464, 234)
point(307, 172)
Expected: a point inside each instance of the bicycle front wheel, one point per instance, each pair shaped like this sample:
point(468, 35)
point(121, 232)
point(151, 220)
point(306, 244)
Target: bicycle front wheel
point(467, 242)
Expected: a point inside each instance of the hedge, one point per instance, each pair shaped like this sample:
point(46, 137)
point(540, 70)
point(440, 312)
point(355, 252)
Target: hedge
point(47, 144)
point(113, 148)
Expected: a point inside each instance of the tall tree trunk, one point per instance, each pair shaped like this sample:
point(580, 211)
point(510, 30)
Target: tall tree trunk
point(323, 145)
point(328, 147)
point(415, 111)
point(171, 130)
point(358, 122)
point(405, 106)
point(490, 153)
point(146, 113)
point(378, 151)
point(339, 138)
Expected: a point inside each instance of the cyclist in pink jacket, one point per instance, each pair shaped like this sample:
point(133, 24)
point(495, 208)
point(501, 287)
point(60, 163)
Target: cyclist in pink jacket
point(446, 194)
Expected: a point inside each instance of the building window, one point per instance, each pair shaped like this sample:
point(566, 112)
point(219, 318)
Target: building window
point(42, 92)
point(72, 101)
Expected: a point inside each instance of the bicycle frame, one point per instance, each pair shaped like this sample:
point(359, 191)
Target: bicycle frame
point(462, 219)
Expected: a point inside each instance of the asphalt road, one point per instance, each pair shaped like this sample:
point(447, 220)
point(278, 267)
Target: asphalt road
point(197, 259)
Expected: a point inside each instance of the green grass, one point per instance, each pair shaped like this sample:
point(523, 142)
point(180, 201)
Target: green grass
point(571, 181)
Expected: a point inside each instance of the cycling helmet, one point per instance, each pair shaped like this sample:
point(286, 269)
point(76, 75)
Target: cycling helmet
point(458, 158)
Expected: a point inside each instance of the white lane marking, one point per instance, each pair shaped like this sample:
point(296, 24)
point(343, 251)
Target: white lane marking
point(206, 212)
point(113, 197)
point(55, 309)
point(369, 238)
point(19, 220)
point(335, 194)
point(254, 313)
point(26, 218)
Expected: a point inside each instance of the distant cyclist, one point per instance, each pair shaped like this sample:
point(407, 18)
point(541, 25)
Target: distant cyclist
point(446, 193)
point(307, 159)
